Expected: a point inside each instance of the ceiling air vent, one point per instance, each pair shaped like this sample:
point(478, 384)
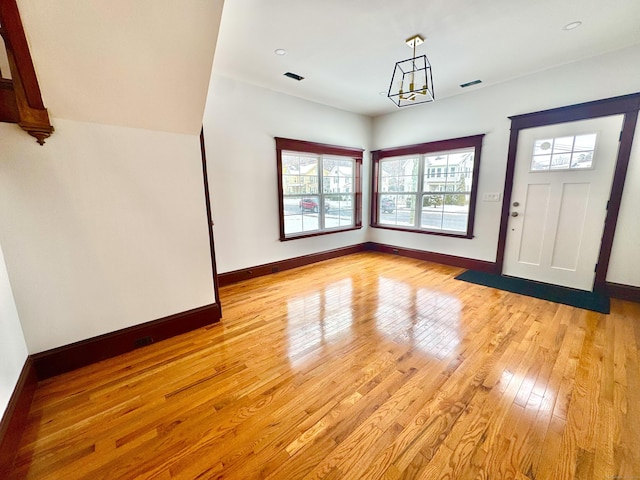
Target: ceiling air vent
point(294, 76)
point(468, 84)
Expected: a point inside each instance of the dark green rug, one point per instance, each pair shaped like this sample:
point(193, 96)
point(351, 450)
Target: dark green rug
point(568, 296)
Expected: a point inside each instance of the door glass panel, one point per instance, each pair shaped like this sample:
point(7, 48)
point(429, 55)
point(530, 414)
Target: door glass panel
point(563, 153)
point(562, 145)
point(585, 142)
point(541, 162)
point(560, 161)
point(542, 147)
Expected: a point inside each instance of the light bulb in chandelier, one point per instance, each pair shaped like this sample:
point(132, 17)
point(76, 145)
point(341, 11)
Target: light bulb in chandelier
point(411, 73)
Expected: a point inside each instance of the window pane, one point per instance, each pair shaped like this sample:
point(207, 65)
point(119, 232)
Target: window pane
point(449, 212)
point(399, 175)
point(432, 161)
point(455, 212)
point(562, 145)
point(540, 162)
point(585, 142)
point(310, 208)
point(309, 175)
point(448, 172)
point(340, 211)
point(310, 204)
point(397, 210)
point(309, 184)
point(291, 181)
point(292, 224)
point(582, 160)
point(433, 186)
point(542, 147)
point(431, 215)
point(459, 158)
point(432, 200)
point(407, 183)
point(292, 205)
point(299, 174)
point(299, 215)
point(338, 175)
point(559, 161)
point(292, 215)
point(292, 184)
point(388, 203)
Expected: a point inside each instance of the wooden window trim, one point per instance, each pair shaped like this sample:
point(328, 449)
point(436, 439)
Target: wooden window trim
point(473, 141)
point(302, 146)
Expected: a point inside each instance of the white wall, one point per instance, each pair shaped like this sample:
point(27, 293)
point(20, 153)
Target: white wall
point(12, 344)
point(102, 228)
point(240, 124)
point(486, 110)
point(624, 265)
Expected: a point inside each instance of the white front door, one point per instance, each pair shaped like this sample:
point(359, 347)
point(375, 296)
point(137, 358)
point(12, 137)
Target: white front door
point(561, 186)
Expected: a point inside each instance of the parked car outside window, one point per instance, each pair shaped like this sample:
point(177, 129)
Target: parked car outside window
point(387, 205)
point(311, 205)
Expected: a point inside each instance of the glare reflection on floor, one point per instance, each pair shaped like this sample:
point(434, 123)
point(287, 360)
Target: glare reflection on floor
point(427, 319)
point(534, 397)
point(318, 317)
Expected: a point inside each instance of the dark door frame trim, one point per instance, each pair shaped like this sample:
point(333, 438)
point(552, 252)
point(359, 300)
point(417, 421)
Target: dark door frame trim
point(628, 105)
point(207, 197)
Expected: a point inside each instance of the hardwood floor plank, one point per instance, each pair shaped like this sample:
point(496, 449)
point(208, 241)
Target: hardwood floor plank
point(368, 366)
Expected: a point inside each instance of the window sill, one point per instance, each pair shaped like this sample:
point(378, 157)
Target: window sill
point(441, 233)
point(318, 233)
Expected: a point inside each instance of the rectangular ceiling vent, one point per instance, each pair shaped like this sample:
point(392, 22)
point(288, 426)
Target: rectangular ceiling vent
point(468, 84)
point(294, 76)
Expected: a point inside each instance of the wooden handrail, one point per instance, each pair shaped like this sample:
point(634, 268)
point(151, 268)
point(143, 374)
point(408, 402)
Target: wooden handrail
point(21, 94)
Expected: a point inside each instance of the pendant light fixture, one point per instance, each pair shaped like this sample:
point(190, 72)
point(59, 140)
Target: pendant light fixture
point(412, 82)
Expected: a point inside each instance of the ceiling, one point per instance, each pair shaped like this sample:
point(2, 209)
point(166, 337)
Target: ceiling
point(346, 49)
point(142, 63)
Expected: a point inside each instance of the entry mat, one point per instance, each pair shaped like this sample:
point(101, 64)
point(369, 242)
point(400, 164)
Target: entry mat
point(596, 302)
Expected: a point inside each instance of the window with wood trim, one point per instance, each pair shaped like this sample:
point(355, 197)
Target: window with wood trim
point(427, 188)
point(319, 188)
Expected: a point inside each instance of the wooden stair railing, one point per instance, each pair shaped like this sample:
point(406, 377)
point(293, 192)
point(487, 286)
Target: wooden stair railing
point(20, 98)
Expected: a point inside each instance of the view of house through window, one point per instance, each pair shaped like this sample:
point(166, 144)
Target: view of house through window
point(318, 191)
point(428, 191)
point(563, 153)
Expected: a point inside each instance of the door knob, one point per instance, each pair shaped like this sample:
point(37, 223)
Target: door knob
point(514, 214)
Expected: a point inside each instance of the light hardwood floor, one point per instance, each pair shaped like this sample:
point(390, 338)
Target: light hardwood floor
point(363, 367)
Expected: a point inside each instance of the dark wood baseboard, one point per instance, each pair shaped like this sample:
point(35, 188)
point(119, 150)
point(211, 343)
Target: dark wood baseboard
point(463, 262)
point(70, 357)
point(268, 268)
point(623, 292)
point(235, 276)
point(15, 417)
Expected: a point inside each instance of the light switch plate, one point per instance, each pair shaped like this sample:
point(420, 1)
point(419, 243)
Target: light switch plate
point(491, 197)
